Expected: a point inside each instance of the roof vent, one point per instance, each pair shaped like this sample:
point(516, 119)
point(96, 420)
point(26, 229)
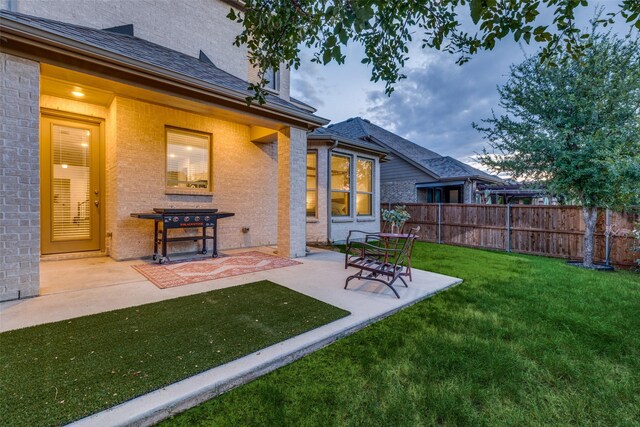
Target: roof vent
point(366, 120)
point(127, 30)
point(204, 58)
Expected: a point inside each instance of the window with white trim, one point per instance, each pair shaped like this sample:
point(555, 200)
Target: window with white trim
point(364, 187)
point(273, 79)
point(340, 185)
point(312, 184)
point(188, 160)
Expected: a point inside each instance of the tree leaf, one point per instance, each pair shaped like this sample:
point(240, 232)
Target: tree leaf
point(477, 8)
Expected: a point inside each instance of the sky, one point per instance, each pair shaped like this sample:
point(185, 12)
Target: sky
point(437, 102)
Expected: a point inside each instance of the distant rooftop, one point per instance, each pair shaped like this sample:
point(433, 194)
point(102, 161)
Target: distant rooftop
point(442, 167)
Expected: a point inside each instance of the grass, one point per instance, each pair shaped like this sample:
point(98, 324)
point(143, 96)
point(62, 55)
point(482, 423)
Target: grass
point(55, 373)
point(524, 340)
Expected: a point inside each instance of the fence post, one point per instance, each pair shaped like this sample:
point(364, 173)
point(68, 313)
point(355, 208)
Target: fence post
point(509, 227)
point(439, 222)
point(607, 242)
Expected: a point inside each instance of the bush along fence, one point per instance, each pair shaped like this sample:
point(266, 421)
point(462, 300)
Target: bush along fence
point(555, 231)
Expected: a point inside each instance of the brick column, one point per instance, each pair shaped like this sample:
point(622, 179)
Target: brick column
point(19, 177)
point(292, 189)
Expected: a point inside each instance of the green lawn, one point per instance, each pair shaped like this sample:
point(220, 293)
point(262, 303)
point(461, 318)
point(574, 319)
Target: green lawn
point(523, 341)
point(55, 373)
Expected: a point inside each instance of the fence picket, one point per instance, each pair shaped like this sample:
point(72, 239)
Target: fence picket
point(554, 231)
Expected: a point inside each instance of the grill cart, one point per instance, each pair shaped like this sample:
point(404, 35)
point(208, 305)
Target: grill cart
point(172, 218)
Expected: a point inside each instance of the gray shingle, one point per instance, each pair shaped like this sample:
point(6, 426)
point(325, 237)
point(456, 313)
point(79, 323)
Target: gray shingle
point(357, 141)
point(144, 51)
point(432, 162)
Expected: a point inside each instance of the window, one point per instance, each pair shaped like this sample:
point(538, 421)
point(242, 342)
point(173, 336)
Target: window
point(188, 160)
point(312, 184)
point(340, 185)
point(454, 196)
point(364, 187)
point(273, 79)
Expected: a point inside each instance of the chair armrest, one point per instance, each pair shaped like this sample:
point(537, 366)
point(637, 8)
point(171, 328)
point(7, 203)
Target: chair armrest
point(364, 234)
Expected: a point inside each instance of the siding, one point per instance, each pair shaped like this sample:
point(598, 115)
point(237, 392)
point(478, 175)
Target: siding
point(398, 169)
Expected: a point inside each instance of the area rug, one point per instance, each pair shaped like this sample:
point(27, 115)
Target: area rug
point(185, 272)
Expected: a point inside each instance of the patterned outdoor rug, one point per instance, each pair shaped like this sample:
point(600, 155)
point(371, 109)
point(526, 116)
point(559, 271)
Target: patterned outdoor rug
point(180, 273)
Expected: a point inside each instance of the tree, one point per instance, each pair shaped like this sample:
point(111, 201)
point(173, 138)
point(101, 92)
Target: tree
point(275, 30)
point(575, 126)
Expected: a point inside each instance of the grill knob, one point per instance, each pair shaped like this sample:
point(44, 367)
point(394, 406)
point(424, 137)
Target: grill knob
point(176, 219)
point(196, 219)
point(186, 219)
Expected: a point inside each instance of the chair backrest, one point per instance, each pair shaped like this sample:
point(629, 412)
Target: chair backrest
point(386, 227)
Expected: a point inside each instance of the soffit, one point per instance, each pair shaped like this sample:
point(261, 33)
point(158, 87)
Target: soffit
point(60, 82)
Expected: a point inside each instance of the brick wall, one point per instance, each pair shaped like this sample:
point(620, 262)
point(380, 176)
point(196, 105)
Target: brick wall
point(292, 190)
point(185, 26)
point(398, 192)
point(19, 178)
point(469, 191)
point(244, 178)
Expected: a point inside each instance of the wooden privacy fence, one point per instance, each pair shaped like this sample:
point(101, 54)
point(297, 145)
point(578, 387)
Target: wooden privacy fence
point(555, 231)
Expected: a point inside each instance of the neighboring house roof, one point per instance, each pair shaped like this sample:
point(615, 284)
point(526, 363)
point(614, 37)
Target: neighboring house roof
point(145, 52)
point(432, 163)
point(448, 167)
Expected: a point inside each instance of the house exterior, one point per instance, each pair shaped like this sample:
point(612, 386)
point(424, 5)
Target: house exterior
point(514, 193)
point(412, 173)
point(343, 186)
point(110, 108)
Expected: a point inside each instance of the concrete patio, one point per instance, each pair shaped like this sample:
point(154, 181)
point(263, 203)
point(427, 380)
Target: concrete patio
point(72, 288)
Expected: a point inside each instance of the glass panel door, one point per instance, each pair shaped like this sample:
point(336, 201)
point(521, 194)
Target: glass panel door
point(70, 186)
point(71, 172)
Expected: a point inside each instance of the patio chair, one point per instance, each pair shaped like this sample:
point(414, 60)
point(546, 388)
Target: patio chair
point(378, 240)
point(383, 263)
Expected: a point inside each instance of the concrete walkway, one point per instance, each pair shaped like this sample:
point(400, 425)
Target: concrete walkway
point(321, 275)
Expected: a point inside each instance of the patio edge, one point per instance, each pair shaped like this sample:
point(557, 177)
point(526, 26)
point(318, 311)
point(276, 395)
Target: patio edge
point(125, 414)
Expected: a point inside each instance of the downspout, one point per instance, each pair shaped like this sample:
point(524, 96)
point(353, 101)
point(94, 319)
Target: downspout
point(328, 180)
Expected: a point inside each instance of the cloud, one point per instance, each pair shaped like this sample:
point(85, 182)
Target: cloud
point(308, 90)
point(437, 103)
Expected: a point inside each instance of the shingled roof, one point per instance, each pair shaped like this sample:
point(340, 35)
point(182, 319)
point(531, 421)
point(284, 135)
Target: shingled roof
point(147, 52)
point(330, 134)
point(441, 167)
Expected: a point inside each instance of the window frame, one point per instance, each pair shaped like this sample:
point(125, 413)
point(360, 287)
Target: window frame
point(273, 86)
point(349, 192)
point(373, 189)
point(315, 189)
point(186, 190)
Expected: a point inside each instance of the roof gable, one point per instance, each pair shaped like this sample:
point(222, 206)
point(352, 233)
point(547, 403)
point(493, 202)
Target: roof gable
point(441, 167)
